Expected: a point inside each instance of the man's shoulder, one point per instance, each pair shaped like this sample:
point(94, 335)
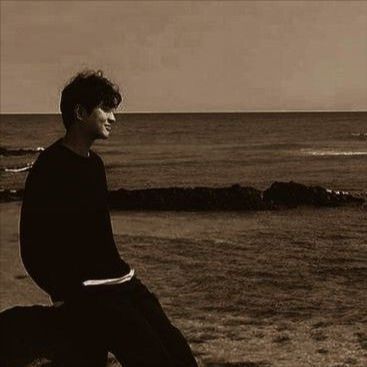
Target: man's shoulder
point(50, 154)
point(44, 169)
point(56, 155)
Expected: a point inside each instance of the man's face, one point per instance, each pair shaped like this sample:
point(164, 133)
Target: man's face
point(98, 123)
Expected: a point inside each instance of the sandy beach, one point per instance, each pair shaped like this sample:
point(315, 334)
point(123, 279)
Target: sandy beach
point(285, 305)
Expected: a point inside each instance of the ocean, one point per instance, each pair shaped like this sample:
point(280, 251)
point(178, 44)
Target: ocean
point(276, 288)
point(252, 149)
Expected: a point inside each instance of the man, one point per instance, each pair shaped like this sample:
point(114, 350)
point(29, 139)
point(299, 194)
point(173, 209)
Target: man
point(67, 244)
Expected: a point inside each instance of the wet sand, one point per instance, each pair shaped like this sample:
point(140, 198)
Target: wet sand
point(239, 302)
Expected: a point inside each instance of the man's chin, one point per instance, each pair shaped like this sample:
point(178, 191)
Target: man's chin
point(103, 136)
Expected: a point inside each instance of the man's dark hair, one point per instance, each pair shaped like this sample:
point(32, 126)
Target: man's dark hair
point(88, 89)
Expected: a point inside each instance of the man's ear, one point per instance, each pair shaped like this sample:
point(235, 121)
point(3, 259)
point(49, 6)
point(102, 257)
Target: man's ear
point(80, 112)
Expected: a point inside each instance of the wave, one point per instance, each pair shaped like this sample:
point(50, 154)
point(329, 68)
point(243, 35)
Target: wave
point(18, 169)
point(360, 136)
point(333, 153)
point(20, 151)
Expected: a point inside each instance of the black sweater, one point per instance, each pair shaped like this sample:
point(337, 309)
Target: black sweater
point(65, 228)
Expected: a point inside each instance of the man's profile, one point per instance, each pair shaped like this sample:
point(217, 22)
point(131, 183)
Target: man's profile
point(68, 249)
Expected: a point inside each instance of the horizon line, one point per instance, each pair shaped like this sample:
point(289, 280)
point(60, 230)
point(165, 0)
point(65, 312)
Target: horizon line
point(195, 112)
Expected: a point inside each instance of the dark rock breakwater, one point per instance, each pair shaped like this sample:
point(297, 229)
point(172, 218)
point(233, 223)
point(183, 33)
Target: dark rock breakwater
point(7, 195)
point(292, 194)
point(235, 197)
point(279, 195)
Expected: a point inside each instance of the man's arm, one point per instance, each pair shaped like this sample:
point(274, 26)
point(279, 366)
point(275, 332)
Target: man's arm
point(44, 221)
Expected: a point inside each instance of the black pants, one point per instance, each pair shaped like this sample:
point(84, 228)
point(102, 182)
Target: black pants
point(126, 320)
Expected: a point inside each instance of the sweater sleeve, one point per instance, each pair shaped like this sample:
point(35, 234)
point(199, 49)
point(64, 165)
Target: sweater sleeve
point(44, 216)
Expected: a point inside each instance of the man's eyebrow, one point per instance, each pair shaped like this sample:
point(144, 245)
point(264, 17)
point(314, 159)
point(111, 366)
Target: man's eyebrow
point(106, 108)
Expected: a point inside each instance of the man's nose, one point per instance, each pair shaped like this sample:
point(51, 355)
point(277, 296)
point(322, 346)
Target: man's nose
point(111, 118)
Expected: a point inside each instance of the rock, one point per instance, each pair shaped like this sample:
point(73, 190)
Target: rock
point(235, 197)
point(10, 195)
point(26, 335)
point(51, 334)
point(292, 194)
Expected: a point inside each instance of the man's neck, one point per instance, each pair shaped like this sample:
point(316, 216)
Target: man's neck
point(78, 143)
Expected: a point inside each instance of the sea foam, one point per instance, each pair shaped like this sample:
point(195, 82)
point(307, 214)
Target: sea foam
point(333, 153)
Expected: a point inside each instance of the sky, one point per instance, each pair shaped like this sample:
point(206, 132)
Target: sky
point(188, 56)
